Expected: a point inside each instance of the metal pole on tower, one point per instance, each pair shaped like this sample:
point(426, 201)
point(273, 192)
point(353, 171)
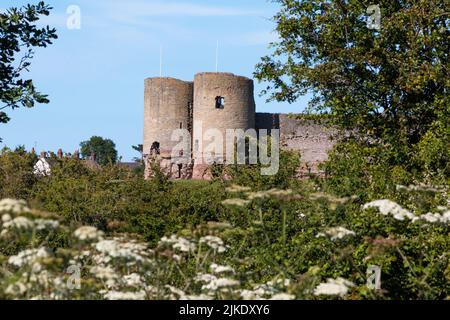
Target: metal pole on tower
point(160, 60)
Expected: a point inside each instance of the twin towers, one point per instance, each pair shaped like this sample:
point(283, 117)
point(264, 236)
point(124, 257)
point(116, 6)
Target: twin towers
point(213, 101)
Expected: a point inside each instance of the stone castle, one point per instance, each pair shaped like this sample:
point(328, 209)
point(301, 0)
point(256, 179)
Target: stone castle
point(221, 101)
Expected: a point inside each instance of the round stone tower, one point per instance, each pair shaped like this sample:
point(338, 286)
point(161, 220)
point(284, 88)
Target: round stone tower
point(167, 106)
point(221, 101)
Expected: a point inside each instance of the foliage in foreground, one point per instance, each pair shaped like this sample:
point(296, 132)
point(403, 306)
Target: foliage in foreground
point(276, 244)
point(265, 238)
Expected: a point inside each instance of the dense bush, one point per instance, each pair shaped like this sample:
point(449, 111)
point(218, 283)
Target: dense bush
point(281, 235)
point(16, 173)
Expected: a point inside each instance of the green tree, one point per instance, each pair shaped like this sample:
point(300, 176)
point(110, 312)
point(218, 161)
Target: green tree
point(390, 83)
point(19, 34)
point(104, 150)
point(16, 173)
point(139, 148)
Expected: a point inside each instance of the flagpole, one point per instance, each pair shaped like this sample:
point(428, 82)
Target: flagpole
point(160, 60)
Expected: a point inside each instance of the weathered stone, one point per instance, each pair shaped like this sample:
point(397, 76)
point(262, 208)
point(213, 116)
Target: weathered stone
point(220, 101)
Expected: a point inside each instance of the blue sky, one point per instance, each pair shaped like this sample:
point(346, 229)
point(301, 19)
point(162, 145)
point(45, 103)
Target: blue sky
point(94, 76)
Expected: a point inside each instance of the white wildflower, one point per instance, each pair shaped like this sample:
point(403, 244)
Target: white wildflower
point(87, 233)
point(184, 245)
point(195, 297)
point(133, 280)
point(120, 248)
point(205, 277)
point(28, 257)
point(220, 283)
point(21, 223)
point(283, 296)
point(16, 289)
point(117, 295)
point(431, 217)
point(264, 289)
point(212, 283)
point(336, 233)
point(39, 276)
point(250, 295)
point(335, 287)
point(388, 207)
point(215, 268)
point(215, 243)
point(178, 243)
point(6, 217)
point(45, 224)
point(13, 206)
point(104, 272)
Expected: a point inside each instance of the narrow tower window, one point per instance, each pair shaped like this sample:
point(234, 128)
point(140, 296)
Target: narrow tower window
point(220, 102)
point(181, 125)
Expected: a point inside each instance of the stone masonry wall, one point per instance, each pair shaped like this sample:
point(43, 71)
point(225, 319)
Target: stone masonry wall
point(166, 108)
point(312, 140)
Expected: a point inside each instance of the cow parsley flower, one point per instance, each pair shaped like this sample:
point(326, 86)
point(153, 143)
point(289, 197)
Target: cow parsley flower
point(178, 243)
point(212, 283)
point(46, 224)
point(16, 289)
point(220, 283)
point(87, 233)
point(120, 248)
point(13, 206)
point(133, 280)
point(336, 233)
point(214, 242)
point(334, 287)
point(28, 257)
point(21, 223)
point(283, 296)
point(215, 268)
point(205, 277)
point(118, 295)
point(388, 207)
